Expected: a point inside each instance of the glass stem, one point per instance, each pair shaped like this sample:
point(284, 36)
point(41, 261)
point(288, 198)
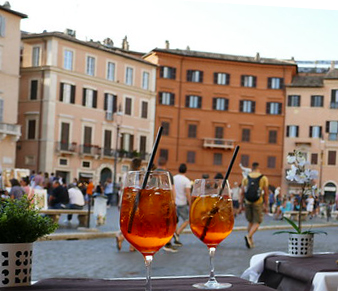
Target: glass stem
point(147, 261)
point(212, 278)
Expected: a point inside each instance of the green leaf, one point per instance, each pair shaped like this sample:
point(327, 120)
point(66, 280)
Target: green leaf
point(289, 221)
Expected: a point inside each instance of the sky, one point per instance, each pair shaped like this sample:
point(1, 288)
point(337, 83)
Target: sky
point(305, 30)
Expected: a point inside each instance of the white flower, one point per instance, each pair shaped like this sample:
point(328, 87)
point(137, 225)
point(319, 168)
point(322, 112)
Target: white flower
point(291, 159)
point(291, 174)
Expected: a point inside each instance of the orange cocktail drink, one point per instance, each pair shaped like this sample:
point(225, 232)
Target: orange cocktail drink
point(218, 210)
point(154, 222)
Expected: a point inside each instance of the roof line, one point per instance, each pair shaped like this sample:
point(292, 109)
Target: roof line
point(13, 12)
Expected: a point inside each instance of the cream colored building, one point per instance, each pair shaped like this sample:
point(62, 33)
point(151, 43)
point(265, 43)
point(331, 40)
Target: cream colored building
point(311, 122)
point(79, 103)
point(9, 84)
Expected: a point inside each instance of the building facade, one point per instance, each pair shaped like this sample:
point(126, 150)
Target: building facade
point(10, 130)
point(311, 126)
point(86, 108)
point(208, 103)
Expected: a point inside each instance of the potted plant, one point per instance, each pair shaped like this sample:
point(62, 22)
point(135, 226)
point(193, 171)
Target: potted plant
point(20, 225)
point(300, 242)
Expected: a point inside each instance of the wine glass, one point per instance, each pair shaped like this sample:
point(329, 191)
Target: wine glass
point(148, 216)
point(211, 220)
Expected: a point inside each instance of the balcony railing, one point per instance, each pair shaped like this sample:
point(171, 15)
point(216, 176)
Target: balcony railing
point(66, 147)
point(133, 154)
point(90, 150)
point(109, 115)
point(334, 105)
point(218, 143)
point(107, 152)
point(10, 129)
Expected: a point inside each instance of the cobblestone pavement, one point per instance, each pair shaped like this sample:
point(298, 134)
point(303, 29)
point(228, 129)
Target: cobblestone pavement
point(99, 258)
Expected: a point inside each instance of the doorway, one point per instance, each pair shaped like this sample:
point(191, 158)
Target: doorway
point(105, 174)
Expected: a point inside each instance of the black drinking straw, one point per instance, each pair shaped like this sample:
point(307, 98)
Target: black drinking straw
point(214, 210)
point(145, 180)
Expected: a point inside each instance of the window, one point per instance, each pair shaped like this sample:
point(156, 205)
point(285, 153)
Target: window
point(315, 131)
point(1, 110)
point(90, 69)
point(65, 133)
point(194, 76)
point(221, 104)
point(317, 101)
point(332, 129)
point(221, 78)
point(68, 60)
point(110, 105)
point(275, 83)
point(85, 164)
point(246, 134)
point(219, 132)
point(164, 153)
point(248, 81)
point(314, 159)
point(127, 106)
point(110, 71)
point(272, 136)
point(2, 26)
point(273, 108)
point(63, 162)
point(144, 112)
point(143, 145)
point(192, 101)
point(292, 131)
point(145, 81)
point(334, 99)
point(245, 160)
point(31, 129)
point(89, 98)
point(107, 148)
point(271, 162)
point(218, 159)
point(192, 130)
point(34, 90)
point(127, 142)
point(294, 100)
point(166, 98)
point(36, 56)
point(129, 76)
point(67, 93)
point(191, 157)
point(247, 106)
point(166, 128)
point(167, 72)
point(87, 139)
point(331, 159)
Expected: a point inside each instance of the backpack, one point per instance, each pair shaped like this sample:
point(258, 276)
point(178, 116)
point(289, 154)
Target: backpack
point(253, 191)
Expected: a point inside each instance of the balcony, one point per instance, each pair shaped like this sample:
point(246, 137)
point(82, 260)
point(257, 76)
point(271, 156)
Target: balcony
point(218, 143)
point(14, 130)
point(334, 105)
point(108, 153)
point(109, 116)
point(90, 150)
point(66, 148)
point(133, 154)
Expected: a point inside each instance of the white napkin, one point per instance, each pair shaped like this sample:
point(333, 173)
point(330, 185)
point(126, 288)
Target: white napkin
point(257, 266)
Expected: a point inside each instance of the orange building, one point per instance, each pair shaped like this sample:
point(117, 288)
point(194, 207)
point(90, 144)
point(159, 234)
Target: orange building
point(208, 103)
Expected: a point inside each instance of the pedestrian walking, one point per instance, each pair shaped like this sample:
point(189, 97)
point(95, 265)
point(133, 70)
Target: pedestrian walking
point(108, 191)
point(255, 196)
point(100, 205)
point(236, 192)
point(182, 200)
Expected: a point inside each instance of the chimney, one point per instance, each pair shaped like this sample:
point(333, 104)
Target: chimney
point(167, 44)
point(70, 32)
point(125, 44)
point(7, 5)
point(257, 57)
point(188, 48)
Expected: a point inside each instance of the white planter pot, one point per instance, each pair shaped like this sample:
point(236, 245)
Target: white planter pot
point(301, 245)
point(15, 264)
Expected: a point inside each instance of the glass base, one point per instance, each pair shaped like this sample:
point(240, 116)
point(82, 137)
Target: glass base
point(212, 285)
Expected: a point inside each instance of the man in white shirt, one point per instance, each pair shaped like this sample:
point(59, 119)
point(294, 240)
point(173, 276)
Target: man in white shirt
point(182, 187)
point(76, 199)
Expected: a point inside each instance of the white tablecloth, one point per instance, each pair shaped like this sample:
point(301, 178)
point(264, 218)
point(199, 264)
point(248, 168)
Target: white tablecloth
point(325, 281)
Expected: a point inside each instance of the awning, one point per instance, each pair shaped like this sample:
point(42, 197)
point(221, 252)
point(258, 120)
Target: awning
point(86, 175)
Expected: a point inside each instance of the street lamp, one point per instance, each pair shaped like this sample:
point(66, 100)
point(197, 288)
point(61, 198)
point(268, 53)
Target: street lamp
point(322, 147)
point(118, 115)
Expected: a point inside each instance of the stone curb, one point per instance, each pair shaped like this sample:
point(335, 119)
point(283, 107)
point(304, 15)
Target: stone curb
point(95, 234)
